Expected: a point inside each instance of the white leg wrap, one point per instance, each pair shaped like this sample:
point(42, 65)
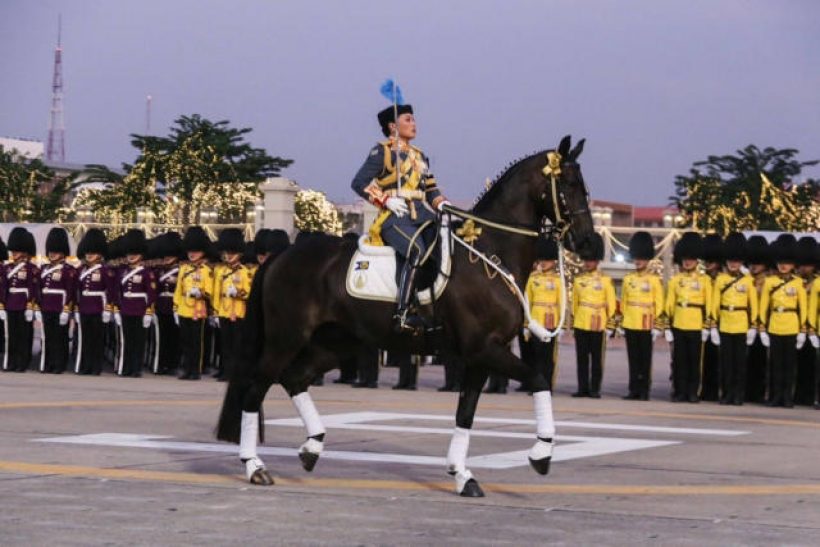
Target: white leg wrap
point(313, 446)
point(457, 454)
point(252, 465)
point(461, 479)
point(544, 423)
point(541, 450)
point(307, 411)
point(249, 435)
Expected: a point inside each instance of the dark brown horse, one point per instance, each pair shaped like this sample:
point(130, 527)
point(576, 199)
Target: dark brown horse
point(301, 321)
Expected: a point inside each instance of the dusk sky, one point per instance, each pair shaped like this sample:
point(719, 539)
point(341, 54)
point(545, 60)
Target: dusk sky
point(652, 85)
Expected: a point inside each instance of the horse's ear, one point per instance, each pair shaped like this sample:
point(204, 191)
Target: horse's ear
point(563, 148)
point(577, 150)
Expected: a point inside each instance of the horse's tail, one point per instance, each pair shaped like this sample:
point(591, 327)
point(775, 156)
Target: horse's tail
point(245, 364)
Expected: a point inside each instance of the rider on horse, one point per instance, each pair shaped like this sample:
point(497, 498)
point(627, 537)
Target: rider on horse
point(407, 201)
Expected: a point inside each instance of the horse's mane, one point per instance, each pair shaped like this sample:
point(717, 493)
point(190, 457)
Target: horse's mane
point(493, 188)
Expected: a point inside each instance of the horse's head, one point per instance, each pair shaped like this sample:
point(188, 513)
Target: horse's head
point(562, 195)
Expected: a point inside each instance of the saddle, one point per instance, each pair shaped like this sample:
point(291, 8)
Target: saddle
point(372, 272)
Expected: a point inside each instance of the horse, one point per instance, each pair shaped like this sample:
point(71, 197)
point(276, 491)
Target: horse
point(301, 321)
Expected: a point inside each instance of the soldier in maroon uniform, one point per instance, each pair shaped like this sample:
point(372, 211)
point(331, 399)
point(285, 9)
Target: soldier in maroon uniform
point(56, 302)
point(136, 293)
point(94, 302)
point(169, 252)
point(22, 286)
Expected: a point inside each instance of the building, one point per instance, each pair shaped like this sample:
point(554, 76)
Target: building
point(28, 148)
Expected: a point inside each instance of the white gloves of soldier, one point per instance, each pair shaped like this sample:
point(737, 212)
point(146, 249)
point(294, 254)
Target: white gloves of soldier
point(146, 321)
point(117, 319)
point(397, 206)
point(106, 316)
point(814, 339)
point(29, 315)
point(610, 333)
point(655, 334)
point(63, 318)
point(194, 292)
point(751, 334)
point(214, 321)
point(38, 316)
point(764, 339)
point(714, 336)
point(704, 335)
point(667, 334)
point(232, 292)
point(620, 332)
point(3, 315)
point(176, 318)
point(440, 206)
point(801, 340)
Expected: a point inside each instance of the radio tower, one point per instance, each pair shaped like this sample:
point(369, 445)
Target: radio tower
point(55, 148)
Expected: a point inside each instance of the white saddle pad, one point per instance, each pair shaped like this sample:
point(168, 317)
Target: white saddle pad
point(372, 272)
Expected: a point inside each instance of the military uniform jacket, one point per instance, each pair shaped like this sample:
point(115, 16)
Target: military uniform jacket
point(167, 284)
point(58, 287)
point(377, 181)
point(689, 300)
point(734, 303)
point(814, 306)
point(225, 276)
point(95, 285)
point(544, 295)
point(136, 291)
point(593, 302)
point(22, 286)
point(641, 300)
point(783, 306)
point(191, 275)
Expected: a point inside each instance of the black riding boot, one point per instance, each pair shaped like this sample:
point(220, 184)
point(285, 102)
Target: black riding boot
point(404, 320)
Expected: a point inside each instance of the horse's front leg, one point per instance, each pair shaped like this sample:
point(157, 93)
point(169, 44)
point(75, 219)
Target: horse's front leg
point(255, 470)
point(475, 375)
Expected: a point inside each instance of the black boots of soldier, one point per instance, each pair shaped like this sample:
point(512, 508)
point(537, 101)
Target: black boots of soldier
point(405, 321)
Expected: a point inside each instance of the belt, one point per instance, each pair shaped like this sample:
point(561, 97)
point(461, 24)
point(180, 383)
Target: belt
point(167, 294)
point(136, 295)
point(641, 304)
point(734, 308)
point(690, 305)
point(545, 304)
point(593, 306)
point(406, 194)
point(94, 293)
point(781, 309)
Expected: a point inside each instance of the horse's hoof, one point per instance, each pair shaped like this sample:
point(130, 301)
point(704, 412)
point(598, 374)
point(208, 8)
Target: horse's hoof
point(261, 477)
point(472, 490)
point(309, 460)
point(542, 466)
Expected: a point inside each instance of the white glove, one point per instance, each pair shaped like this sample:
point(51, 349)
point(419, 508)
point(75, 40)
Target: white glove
point(801, 340)
point(668, 335)
point(117, 319)
point(714, 336)
point(38, 316)
point(610, 333)
point(194, 292)
point(29, 315)
point(232, 291)
point(764, 339)
point(704, 335)
point(814, 339)
point(620, 332)
point(63, 318)
point(147, 320)
point(214, 321)
point(655, 334)
point(106, 316)
point(77, 317)
point(3, 315)
point(176, 319)
point(751, 334)
point(397, 206)
point(441, 205)
point(526, 334)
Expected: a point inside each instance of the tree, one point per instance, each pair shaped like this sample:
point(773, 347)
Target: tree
point(30, 191)
point(314, 213)
point(752, 190)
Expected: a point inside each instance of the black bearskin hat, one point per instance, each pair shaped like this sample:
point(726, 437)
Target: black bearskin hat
point(231, 240)
point(115, 248)
point(757, 250)
point(134, 243)
point(170, 245)
point(260, 242)
point(154, 248)
point(57, 241)
point(249, 256)
point(278, 242)
point(734, 248)
point(641, 246)
point(593, 248)
point(196, 240)
point(712, 248)
point(18, 241)
point(4, 253)
point(386, 116)
point(784, 249)
point(93, 242)
point(546, 249)
point(806, 249)
point(689, 245)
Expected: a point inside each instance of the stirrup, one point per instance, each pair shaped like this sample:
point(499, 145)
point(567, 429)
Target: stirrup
point(405, 322)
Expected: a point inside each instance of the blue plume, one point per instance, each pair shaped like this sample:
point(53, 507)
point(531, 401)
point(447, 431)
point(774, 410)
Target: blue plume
point(391, 91)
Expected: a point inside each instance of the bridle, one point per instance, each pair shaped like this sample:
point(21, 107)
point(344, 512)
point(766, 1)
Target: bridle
point(563, 220)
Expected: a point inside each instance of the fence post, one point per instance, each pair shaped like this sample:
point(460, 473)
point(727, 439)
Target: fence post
point(278, 205)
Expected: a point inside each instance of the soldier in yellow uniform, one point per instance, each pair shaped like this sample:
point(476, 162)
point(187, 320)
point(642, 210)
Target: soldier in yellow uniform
point(544, 295)
point(232, 284)
point(642, 305)
point(710, 371)
point(191, 298)
point(783, 312)
point(593, 307)
point(814, 328)
point(688, 302)
point(734, 307)
point(757, 253)
point(804, 377)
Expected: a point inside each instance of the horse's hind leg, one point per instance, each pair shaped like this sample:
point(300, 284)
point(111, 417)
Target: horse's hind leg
point(310, 362)
point(466, 484)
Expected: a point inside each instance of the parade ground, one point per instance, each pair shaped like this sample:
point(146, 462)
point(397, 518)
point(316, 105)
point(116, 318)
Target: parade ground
point(115, 461)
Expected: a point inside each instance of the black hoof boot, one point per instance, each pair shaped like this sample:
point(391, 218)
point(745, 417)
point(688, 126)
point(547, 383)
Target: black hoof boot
point(542, 467)
point(261, 477)
point(472, 490)
point(309, 460)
